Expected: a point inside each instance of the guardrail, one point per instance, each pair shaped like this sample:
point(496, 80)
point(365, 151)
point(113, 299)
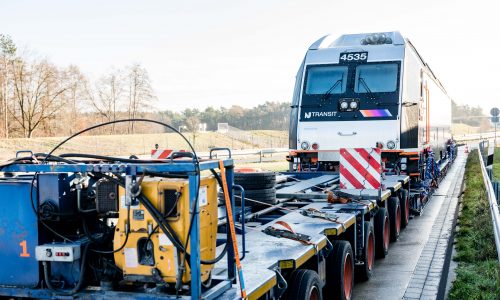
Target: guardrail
point(244, 155)
point(495, 216)
point(473, 137)
point(263, 154)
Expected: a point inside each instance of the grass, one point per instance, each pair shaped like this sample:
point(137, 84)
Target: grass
point(478, 271)
point(496, 164)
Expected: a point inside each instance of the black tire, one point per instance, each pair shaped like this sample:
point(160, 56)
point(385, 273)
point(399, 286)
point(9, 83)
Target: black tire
point(382, 233)
point(268, 196)
point(339, 272)
point(394, 217)
point(255, 181)
point(364, 272)
point(302, 283)
point(404, 201)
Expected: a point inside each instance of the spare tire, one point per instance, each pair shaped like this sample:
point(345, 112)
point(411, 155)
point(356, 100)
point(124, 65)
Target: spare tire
point(268, 196)
point(255, 180)
point(265, 195)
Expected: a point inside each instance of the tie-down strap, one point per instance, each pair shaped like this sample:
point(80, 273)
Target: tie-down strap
point(315, 213)
point(288, 233)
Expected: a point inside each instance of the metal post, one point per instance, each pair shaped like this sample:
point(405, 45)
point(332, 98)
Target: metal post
point(194, 240)
point(231, 265)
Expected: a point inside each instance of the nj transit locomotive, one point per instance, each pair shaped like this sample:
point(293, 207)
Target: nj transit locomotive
point(367, 90)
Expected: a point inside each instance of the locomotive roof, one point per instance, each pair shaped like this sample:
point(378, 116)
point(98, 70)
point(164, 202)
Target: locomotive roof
point(354, 40)
point(363, 41)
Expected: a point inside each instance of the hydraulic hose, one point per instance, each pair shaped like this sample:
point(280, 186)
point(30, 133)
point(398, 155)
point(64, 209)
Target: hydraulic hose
point(78, 286)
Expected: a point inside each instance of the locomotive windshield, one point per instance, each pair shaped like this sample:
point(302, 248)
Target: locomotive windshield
point(352, 91)
point(330, 79)
point(376, 78)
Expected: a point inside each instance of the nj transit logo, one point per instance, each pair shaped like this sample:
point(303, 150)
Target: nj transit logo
point(316, 114)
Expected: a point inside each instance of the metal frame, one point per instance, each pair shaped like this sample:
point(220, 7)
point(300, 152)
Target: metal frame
point(128, 168)
point(178, 167)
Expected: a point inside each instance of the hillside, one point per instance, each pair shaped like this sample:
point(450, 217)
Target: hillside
point(141, 144)
point(461, 129)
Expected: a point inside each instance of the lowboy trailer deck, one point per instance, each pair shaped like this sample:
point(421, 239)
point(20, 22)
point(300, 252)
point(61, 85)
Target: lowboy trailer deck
point(270, 260)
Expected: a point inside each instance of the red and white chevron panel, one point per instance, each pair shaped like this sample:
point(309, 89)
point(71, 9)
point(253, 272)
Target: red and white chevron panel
point(360, 168)
point(161, 153)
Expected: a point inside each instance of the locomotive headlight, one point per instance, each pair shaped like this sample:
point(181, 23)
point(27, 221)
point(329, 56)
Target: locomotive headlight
point(391, 144)
point(353, 105)
point(344, 105)
point(304, 145)
point(403, 167)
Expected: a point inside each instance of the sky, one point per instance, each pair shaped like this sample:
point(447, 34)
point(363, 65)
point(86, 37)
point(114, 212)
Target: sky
point(231, 52)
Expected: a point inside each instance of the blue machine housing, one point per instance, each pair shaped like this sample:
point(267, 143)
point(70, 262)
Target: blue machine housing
point(18, 233)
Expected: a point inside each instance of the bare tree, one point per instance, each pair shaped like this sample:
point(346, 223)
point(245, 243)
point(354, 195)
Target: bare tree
point(7, 52)
point(140, 92)
point(75, 99)
point(37, 95)
point(108, 98)
point(193, 125)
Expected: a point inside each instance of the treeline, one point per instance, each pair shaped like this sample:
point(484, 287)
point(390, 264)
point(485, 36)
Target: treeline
point(465, 114)
point(38, 98)
point(271, 115)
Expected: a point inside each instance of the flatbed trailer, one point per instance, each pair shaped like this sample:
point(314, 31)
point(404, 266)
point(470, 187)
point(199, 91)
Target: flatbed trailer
point(268, 265)
point(313, 234)
point(302, 191)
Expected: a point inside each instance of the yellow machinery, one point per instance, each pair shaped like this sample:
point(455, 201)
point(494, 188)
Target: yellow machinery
point(148, 260)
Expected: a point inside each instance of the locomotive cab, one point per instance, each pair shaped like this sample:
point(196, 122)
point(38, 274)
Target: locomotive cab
point(365, 91)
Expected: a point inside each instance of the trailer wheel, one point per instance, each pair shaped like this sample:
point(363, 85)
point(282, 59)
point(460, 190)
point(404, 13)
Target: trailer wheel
point(394, 217)
point(339, 272)
point(255, 180)
point(364, 272)
point(405, 208)
point(382, 233)
point(304, 284)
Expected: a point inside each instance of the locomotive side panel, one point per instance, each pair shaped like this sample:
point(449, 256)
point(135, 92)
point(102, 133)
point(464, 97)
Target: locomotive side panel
point(439, 113)
point(294, 113)
point(410, 100)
